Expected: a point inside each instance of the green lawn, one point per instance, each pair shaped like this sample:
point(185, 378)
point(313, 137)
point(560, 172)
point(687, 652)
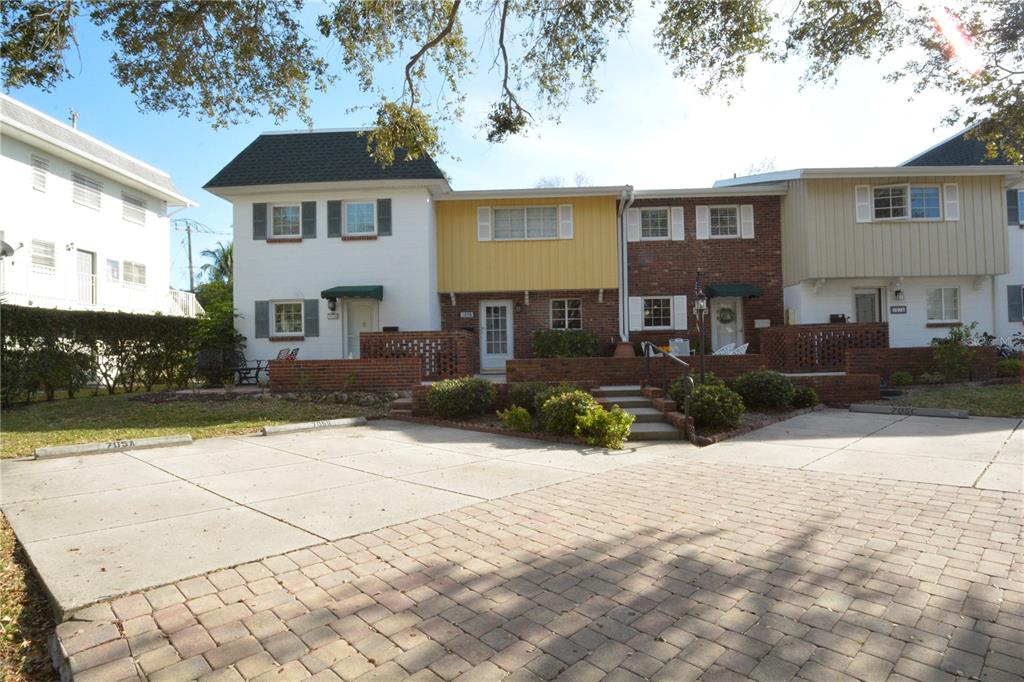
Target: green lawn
point(87, 419)
point(1006, 400)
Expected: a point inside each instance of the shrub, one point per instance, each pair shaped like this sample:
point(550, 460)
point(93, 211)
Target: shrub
point(931, 378)
point(900, 379)
point(214, 336)
point(461, 397)
point(551, 391)
point(953, 354)
point(604, 428)
point(561, 343)
point(804, 396)
point(516, 418)
point(764, 388)
point(677, 389)
point(716, 407)
point(1009, 367)
point(559, 412)
point(525, 395)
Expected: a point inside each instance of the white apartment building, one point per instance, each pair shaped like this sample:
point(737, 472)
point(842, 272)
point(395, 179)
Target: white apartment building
point(88, 224)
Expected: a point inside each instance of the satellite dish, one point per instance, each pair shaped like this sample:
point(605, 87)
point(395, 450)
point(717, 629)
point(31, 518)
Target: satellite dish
point(6, 250)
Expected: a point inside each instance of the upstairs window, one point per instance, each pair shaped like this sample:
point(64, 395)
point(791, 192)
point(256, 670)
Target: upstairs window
point(286, 221)
point(530, 222)
point(566, 313)
point(725, 221)
point(890, 202)
point(654, 223)
point(113, 271)
point(914, 202)
point(134, 274)
point(360, 218)
point(133, 209)
point(40, 173)
point(943, 304)
point(925, 202)
point(86, 190)
point(43, 257)
point(1015, 206)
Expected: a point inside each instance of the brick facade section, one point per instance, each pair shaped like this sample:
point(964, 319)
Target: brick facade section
point(602, 318)
point(592, 372)
point(820, 347)
point(445, 354)
point(668, 268)
point(365, 374)
point(841, 390)
point(917, 361)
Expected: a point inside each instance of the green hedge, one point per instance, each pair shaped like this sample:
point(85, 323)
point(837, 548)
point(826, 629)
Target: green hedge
point(556, 343)
point(47, 350)
point(453, 398)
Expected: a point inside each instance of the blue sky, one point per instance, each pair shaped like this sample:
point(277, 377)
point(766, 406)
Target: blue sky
point(648, 128)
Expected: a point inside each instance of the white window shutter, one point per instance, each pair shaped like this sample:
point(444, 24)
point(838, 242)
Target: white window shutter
point(703, 222)
point(565, 221)
point(483, 223)
point(633, 225)
point(678, 224)
point(747, 221)
point(679, 312)
point(636, 313)
point(863, 200)
point(951, 197)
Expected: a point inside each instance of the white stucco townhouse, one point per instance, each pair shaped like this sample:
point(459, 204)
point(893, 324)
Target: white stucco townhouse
point(88, 224)
point(328, 244)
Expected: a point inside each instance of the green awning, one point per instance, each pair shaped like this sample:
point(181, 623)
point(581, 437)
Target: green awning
point(364, 291)
point(730, 290)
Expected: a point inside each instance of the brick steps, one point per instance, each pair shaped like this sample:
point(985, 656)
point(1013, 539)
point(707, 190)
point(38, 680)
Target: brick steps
point(401, 407)
point(655, 419)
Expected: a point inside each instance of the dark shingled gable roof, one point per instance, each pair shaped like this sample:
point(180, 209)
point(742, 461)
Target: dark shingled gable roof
point(958, 151)
point(317, 156)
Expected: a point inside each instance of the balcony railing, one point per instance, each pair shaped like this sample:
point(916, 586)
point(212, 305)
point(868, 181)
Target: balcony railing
point(183, 303)
point(86, 288)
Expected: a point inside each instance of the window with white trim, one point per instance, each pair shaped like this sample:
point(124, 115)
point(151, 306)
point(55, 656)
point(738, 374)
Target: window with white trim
point(943, 304)
point(113, 270)
point(286, 221)
point(902, 202)
point(287, 316)
point(360, 218)
point(86, 190)
point(658, 312)
point(134, 274)
point(925, 202)
point(44, 259)
point(654, 223)
point(526, 222)
point(40, 173)
point(566, 313)
point(724, 221)
point(133, 209)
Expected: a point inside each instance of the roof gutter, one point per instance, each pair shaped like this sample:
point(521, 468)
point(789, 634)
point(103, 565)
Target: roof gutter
point(625, 201)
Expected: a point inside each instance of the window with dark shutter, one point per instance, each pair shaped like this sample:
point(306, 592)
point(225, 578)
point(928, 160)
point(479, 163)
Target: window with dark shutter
point(1015, 302)
point(1013, 206)
point(259, 221)
point(383, 217)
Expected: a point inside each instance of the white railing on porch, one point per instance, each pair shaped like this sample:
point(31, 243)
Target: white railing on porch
point(183, 303)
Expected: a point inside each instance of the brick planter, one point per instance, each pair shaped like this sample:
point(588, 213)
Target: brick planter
point(365, 374)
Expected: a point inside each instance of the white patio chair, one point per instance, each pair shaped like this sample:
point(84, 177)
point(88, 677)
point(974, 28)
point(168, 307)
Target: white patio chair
point(740, 350)
point(725, 350)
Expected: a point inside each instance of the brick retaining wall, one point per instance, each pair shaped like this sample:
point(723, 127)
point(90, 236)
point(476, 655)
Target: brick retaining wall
point(621, 371)
point(841, 390)
point(916, 360)
point(365, 374)
point(446, 354)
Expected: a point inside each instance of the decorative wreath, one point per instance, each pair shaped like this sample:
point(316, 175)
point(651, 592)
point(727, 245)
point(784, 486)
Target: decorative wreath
point(726, 315)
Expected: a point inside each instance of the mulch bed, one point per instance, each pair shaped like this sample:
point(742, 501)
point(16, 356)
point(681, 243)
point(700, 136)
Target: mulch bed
point(752, 421)
point(487, 424)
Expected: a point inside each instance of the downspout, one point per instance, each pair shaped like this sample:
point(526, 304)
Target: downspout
point(625, 202)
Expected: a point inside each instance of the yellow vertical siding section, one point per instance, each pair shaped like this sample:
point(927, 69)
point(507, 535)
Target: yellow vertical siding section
point(822, 238)
point(587, 261)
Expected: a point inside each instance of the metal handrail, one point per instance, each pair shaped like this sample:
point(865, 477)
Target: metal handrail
point(650, 350)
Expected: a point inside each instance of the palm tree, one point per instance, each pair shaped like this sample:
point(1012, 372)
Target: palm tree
point(222, 263)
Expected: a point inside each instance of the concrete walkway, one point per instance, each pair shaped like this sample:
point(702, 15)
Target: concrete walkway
point(101, 525)
point(979, 452)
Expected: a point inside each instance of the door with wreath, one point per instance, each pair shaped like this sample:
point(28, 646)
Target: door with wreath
point(726, 322)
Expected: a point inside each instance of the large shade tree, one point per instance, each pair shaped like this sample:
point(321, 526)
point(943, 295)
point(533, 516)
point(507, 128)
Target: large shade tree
point(229, 61)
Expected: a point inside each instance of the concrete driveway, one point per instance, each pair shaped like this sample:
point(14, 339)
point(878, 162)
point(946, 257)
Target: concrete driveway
point(979, 452)
point(102, 525)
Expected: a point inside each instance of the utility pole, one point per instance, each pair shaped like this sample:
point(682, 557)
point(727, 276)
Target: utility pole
point(191, 270)
point(188, 226)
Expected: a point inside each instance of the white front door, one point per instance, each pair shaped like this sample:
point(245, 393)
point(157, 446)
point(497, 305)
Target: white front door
point(495, 334)
point(360, 316)
point(726, 322)
point(86, 277)
point(867, 305)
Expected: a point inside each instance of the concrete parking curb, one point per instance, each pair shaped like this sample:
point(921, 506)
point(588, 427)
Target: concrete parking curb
point(111, 446)
point(908, 411)
point(310, 426)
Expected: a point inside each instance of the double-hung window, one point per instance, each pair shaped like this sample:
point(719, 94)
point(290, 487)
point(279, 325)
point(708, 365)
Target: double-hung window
point(566, 313)
point(1015, 206)
point(943, 304)
point(113, 271)
point(134, 274)
point(360, 218)
point(86, 190)
point(724, 221)
point(133, 209)
point(286, 221)
point(530, 222)
point(889, 203)
point(44, 260)
point(287, 318)
point(658, 312)
point(900, 202)
point(654, 223)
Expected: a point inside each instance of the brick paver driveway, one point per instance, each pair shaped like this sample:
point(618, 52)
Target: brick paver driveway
point(671, 569)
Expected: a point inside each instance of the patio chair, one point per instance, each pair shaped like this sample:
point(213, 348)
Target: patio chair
point(727, 349)
point(740, 350)
point(294, 354)
point(283, 354)
point(245, 371)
